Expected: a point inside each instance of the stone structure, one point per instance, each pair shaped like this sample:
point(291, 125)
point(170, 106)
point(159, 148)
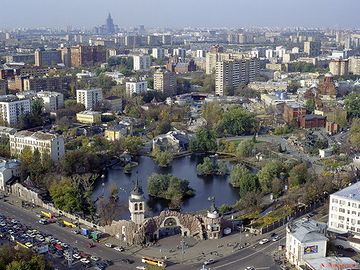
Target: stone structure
point(140, 230)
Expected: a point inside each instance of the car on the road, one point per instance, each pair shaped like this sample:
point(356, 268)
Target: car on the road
point(128, 261)
point(43, 221)
point(263, 241)
point(108, 245)
point(77, 256)
point(84, 260)
point(140, 267)
point(120, 249)
point(75, 231)
point(94, 258)
point(209, 261)
point(28, 244)
point(250, 268)
point(275, 238)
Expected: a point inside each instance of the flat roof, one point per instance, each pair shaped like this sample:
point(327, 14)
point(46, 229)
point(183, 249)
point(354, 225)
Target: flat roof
point(332, 263)
point(350, 192)
point(39, 135)
point(305, 230)
point(89, 113)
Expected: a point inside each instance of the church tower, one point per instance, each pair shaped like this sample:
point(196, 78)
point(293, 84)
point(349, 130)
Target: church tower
point(137, 204)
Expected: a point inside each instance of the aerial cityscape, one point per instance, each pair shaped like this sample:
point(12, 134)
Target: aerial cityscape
point(195, 135)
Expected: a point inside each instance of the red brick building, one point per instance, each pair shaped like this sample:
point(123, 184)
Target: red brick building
point(293, 112)
point(312, 121)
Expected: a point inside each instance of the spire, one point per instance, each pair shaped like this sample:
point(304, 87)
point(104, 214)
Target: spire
point(213, 206)
point(137, 189)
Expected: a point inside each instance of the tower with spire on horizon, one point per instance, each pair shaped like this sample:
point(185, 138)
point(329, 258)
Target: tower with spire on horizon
point(110, 27)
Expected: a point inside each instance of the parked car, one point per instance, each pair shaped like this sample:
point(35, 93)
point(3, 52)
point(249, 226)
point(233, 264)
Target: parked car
point(120, 249)
point(209, 261)
point(108, 245)
point(263, 241)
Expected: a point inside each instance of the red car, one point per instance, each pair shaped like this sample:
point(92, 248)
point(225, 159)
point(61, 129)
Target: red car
point(91, 245)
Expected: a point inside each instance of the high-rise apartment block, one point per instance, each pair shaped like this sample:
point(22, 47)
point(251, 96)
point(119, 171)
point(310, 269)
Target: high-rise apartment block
point(165, 82)
point(47, 58)
point(158, 53)
point(230, 74)
point(52, 101)
point(312, 48)
point(136, 87)
point(89, 97)
point(339, 67)
point(142, 62)
point(3, 87)
point(87, 55)
point(354, 65)
point(12, 108)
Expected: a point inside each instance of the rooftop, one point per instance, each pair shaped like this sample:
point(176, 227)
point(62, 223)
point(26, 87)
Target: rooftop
point(7, 130)
point(305, 230)
point(89, 113)
point(39, 135)
point(332, 263)
point(350, 192)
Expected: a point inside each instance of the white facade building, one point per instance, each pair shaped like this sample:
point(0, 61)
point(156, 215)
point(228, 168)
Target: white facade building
point(136, 87)
point(8, 170)
point(52, 100)
point(142, 62)
point(11, 108)
point(89, 97)
point(305, 239)
point(45, 142)
point(344, 210)
point(158, 53)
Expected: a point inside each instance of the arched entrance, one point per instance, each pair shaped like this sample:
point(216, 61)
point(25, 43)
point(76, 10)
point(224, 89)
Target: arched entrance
point(169, 227)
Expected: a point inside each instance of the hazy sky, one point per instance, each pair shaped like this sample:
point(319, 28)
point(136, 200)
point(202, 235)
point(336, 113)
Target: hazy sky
point(180, 13)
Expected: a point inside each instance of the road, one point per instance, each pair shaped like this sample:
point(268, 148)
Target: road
point(29, 218)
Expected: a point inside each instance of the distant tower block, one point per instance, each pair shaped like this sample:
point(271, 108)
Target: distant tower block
point(137, 204)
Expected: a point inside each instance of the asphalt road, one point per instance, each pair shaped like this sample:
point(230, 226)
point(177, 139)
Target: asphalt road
point(63, 234)
point(259, 257)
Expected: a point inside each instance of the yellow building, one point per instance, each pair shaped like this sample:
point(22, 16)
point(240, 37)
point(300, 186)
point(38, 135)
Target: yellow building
point(114, 133)
point(88, 117)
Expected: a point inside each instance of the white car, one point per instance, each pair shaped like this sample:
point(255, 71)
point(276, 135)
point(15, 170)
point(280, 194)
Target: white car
point(141, 267)
point(263, 241)
point(85, 261)
point(120, 249)
point(108, 245)
point(275, 238)
point(28, 244)
point(77, 256)
point(94, 258)
point(209, 261)
point(250, 268)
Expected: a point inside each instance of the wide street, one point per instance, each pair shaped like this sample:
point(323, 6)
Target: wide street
point(259, 257)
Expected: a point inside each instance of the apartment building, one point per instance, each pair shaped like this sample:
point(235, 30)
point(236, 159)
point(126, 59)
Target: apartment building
point(158, 53)
point(52, 100)
point(165, 82)
point(3, 87)
point(47, 58)
point(89, 97)
point(305, 239)
point(354, 65)
point(88, 117)
point(142, 62)
point(136, 87)
point(11, 108)
point(339, 67)
point(45, 143)
point(9, 170)
point(57, 83)
point(293, 111)
point(312, 48)
point(344, 210)
point(229, 74)
point(87, 55)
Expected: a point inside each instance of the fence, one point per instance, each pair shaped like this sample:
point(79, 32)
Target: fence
point(283, 221)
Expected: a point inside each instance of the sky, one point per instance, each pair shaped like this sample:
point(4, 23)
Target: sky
point(180, 13)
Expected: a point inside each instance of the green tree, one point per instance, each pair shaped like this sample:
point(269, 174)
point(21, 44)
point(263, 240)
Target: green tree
point(212, 113)
point(206, 167)
point(245, 149)
point(133, 144)
point(65, 196)
point(355, 133)
point(310, 105)
point(237, 121)
point(352, 104)
point(277, 187)
point(242, 178)
point(162, 158)
point(298, 175)
point(204, 141)
point(222, 168)
point(266, 175)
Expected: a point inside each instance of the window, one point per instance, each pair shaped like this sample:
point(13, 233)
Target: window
point(341, 210)
point(341, 218)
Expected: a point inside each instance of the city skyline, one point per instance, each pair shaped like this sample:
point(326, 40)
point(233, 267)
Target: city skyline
point(201, 13)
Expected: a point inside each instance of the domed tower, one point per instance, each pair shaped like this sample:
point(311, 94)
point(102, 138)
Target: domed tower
point(213, 221)
point(137, 204)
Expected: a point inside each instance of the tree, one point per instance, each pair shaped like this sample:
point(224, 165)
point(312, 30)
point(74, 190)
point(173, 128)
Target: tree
point(310, 105)
point(352, 104)
point(267, 174)
point(293, 86)
point(245, 149)
point(242, 178)
point(204, 141)
point(355, 133)
point(246, 92)
point(4, 147)
point(298, 175)
point(208, 84)
point(162, 158)
point(212, 113)
point(237, 121)
point(107, 209)
point(133, 144)
point(205, 168)
point(277, 187)
point(65, 196)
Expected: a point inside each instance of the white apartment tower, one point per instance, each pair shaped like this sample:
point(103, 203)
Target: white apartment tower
point(89, 97)
point(136, 87)
point(141, 62)
point(11, 108)
point(52, 100)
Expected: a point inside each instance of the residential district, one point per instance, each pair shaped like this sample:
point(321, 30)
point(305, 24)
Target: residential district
point(182, 149)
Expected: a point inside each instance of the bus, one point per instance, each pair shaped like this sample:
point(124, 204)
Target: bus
point(154, 261)
point(21, 245)
point(69, 224)
point(47, 214)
